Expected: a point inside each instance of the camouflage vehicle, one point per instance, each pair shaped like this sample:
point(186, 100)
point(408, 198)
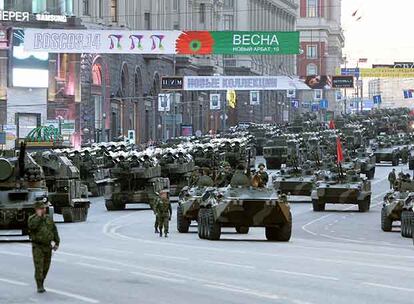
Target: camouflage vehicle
point(366, 162)
point(398, 206)
point(276, 153)
point(177, 166)
point(244, 207)
point(295, 181)
point(135, 179)
point(411, 160)
point(67, 194)
point(385, 151)
point(349, 189)
point(188, 207)
point(22, 184)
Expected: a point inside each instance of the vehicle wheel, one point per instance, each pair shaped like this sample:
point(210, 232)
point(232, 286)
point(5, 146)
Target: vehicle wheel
point(317, 207)
point(406, 223)
point(386, 222)
point(111, 206)
point(213, 228)
point(364, 205)
point(200, 226)
point(411, 165)
point(68, 214)
point(242, 229)
point(371, 174)
point(395, 162)
point(271, 233)
point(183, 224)
point(284, 232)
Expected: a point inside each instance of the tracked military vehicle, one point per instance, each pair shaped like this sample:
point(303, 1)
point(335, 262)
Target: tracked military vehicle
point(136, 178)
point(398, 206)
point(349, 189)
point(295, 181)
point(22, 184)
point(244, 207)
point(67, 194)
point(366, 162)
point(385, 151)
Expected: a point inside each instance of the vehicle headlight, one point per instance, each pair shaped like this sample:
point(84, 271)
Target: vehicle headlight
point(44, 200)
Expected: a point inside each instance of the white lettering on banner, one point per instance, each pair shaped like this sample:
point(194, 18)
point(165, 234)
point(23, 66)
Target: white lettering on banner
point(246, 83)
point(51, 18)
point(256, 39)
point(14, 16)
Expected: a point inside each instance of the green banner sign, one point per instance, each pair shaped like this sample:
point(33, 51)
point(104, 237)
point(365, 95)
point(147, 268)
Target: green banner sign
point(256, 43)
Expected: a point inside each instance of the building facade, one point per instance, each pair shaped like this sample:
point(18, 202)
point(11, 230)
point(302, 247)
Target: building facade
point(322, 41)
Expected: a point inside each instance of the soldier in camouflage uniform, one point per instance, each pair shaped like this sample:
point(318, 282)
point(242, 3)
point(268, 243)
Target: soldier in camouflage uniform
point(163, 212)
point(263, 175)
point(195, 175)
point(224, 177)
point(240, 179)
point(44, 237)
point(205, 180)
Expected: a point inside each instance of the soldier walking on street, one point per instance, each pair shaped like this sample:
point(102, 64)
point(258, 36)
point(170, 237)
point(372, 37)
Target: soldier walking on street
point(392, 178)
point(44, 237)
point(163, 212)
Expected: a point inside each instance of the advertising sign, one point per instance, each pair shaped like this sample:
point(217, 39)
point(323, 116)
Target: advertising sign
point(29, 69)
point(215, 101)
point(342, 82)
point(164, 102)
point(318, 82)
point(187, 130)
point(172, 83)
point(254, 98)
point(398, 70)
point(4, 39)
point(242, 83)
point(162, 42)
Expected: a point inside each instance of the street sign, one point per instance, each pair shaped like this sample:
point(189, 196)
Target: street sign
point(172, 83)
point(164, 102)
point(408, 94)
point(290, 93)
point(318, 94)
point(323, 104)
point(377, 99)
point(131, 136)
point(2, 138)
point(342, 82)
point(351, 72)
point(295, 103)
point(338, 95)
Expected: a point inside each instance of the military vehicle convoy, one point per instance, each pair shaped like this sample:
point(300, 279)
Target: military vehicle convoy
point(242, 208)
point(398, 206)
point(22, 184)
point(136, 178)
point(387, 152)
point(188, 207)
point(295, 181)
point(275, 153)
point(366, 162)
point(67, 194)
point(335, 189)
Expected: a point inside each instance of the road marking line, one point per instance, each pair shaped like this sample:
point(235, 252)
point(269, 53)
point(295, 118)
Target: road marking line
point(15, 253)
point(97, 266)
point(302, 274)
point(388, 286)
point(244, 291)
point(230, 264)
point(73, 295)
point(166, 257)
point(153, 276)
point(13, 282)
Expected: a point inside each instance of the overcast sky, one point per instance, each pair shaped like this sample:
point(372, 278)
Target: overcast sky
point(385, 32)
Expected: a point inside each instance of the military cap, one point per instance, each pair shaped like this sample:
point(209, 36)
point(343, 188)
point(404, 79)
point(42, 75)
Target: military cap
point(39, 205)
point(262, 165)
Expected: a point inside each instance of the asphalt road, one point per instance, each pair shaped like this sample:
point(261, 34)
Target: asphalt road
point(337, 256)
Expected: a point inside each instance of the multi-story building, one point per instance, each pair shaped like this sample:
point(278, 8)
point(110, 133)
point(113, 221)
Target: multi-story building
point(322, 40)
point(391, 91)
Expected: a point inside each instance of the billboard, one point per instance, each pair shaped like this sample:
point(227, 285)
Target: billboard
point(162, 42)
point(187, 130)
point(29, 69)
point(242, 83)
point(215, 101)
point(342, 82)
point(318, 82)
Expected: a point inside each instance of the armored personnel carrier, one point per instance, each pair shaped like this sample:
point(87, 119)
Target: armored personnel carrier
point(22, 184)
point(398, 206)
point(67, 194)
point(349, 189)
point(275, 152)
point(188, 207)
point(366, 162)
point(244, 207)
point(385, 151)
point(136, 178)
point(295, 181)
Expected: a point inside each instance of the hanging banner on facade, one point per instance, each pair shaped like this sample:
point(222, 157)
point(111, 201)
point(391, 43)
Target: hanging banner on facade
point(161, 42)
point(214, 101)
point(378, 72)
point(164, 102)
point(254, 98)
point(242, 83)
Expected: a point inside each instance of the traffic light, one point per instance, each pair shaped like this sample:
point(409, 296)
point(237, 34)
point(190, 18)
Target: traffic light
point(232, 98)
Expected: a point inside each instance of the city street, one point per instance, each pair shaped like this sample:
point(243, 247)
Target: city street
point(337, 256)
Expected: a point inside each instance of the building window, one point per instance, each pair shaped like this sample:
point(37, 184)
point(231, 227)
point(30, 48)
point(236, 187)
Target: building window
point(175, 5)
point(311, 69)
point(228, 3)
point(147, 21)
point(312, 8)
point(114, 11)
point(228, 22)
point(312, 51)
point(86, 11)
point(100, 9)
point(202, 13)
